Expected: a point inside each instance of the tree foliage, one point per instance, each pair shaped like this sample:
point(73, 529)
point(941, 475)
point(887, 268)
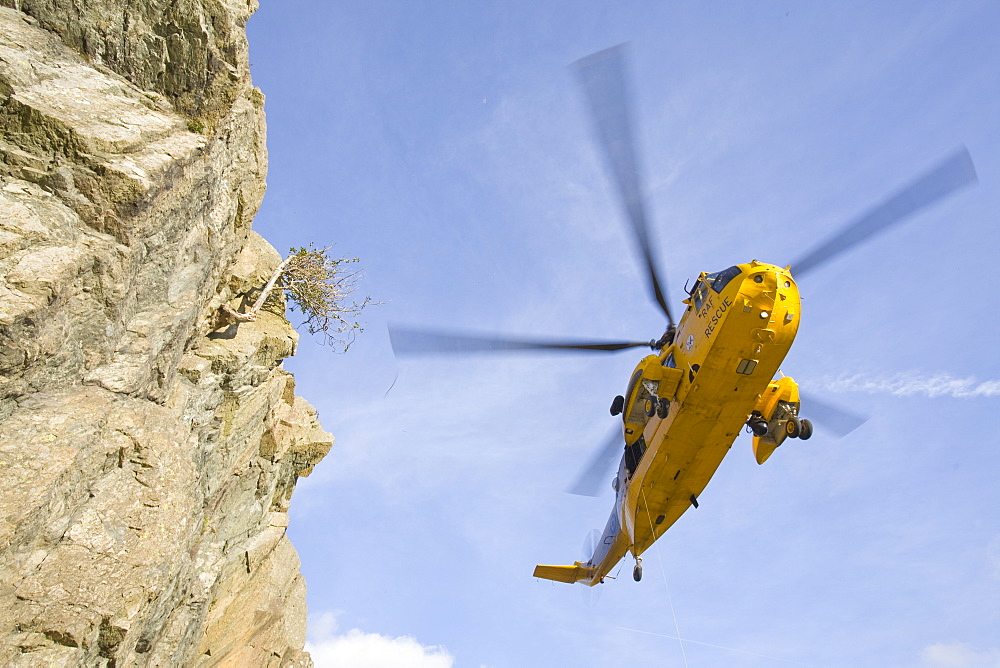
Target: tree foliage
point(319, 287)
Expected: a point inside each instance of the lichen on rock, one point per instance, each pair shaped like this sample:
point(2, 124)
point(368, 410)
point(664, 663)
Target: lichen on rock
point(147, 459)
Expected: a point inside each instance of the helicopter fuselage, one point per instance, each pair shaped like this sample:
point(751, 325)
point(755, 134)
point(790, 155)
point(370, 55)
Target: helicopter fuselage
point(714, 372)
point(685, 406)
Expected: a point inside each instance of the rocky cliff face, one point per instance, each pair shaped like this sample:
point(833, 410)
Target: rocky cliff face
point(147, 458)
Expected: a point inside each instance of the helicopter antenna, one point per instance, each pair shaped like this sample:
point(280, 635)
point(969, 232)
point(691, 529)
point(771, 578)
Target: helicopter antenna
point(602, 77)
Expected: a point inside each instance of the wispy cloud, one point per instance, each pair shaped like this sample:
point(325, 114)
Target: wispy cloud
point(913, 384)
point(355, 648)
point(959, 655)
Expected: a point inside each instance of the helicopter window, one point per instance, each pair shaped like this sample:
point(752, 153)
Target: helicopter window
point(669, 362)
point(632, 382)
point(633, 455)
point(721, 279)
point(699, 293)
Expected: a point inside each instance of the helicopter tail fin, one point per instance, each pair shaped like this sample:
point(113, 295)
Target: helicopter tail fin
point(569, 574)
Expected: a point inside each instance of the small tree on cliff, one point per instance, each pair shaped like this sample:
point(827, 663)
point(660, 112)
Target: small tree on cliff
point(318, 286)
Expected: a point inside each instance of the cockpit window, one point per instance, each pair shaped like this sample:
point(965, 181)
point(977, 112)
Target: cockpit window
point(699, 293)
point(721, 279)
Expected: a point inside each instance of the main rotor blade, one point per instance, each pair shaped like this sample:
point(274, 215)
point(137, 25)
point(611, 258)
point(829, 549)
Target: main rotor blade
point(602, 76)
point(950, 175)
point(407, 341)
point(597, 471)
point(837, 420)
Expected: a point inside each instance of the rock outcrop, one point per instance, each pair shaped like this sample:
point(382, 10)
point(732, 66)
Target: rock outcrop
point(147, 457)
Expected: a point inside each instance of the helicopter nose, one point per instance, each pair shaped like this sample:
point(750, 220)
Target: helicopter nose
point(787, 289)
point(785, 279)
point(765, 276)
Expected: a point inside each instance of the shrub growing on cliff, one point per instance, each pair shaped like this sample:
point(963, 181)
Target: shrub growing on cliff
point(319, 286)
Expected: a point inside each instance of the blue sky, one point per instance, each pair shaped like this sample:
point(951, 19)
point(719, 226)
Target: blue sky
point(446, 145)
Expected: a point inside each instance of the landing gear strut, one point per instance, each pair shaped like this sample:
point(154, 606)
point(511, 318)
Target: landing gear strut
point(637, 571)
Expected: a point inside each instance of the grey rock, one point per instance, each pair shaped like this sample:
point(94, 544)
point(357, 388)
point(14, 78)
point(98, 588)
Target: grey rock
point(192, 52)
point(147, 456)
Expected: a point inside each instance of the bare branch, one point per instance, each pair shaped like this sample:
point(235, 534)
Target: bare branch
point(262, 297)
point(318, 286)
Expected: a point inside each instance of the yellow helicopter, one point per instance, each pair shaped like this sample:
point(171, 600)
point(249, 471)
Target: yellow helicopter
point(713, 373)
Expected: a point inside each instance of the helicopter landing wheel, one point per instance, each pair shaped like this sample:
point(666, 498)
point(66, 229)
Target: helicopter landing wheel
point(618, 405)
point(806, 429)
point(662, 408)
point(793, 428)
point(637, 571)
point(650, 406)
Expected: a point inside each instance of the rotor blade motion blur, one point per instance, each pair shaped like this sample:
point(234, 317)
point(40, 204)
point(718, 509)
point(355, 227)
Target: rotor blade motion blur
point(590, 544)
point(597, 471)
point(837, 420)
point(947, 177)
point(602, 77)
point(407, 341)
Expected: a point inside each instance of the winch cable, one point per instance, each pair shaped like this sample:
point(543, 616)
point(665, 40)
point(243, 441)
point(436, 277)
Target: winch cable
point(673, 613)
point(663, 572)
